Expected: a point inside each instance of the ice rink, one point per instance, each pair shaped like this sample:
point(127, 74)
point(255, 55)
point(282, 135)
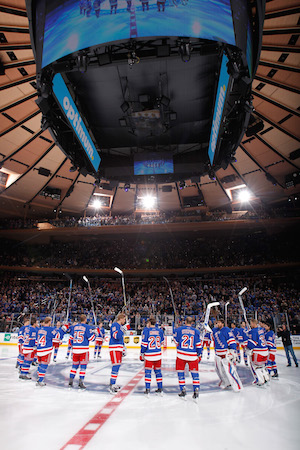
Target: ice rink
point(54, 417)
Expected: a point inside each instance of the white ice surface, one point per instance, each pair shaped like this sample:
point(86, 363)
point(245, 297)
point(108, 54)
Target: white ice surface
point(49, 417)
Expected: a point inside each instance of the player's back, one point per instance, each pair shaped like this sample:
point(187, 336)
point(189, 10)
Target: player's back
point(45, 339)
point(257, 338)
point(81, 336)
point(29, 337)
point(188, 342)
point(152, 339)
point(116, 336)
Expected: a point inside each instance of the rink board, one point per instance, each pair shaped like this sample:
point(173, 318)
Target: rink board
point(131, 341)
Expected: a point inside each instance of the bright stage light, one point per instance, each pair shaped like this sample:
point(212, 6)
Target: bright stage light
point(245, 196)
point(97, 204)
point(149, 202)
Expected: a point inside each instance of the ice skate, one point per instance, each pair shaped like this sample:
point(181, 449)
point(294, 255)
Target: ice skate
point(40, 383)
point(24, 377)
point(147, 393)
point(196, 395)
point(182, 394)
point(159, 391)
point(70, 382)
point(113, 389)
point(81, 385)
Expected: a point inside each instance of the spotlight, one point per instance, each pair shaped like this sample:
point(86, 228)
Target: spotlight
point(126, 187)
point(97, 204)
point(244, 196)
point(73, 168)
point(148, 202)
point(185, 50)
point(82, 61)
point(181, 184)
point(125, 107)
point(211, 174)
point(123, 122)
point(270, 178)
point(165, 101)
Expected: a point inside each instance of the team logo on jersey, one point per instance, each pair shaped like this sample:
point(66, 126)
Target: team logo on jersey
point(136, 339)
point(126, 339)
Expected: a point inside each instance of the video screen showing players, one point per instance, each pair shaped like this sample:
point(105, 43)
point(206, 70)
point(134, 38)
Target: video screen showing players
point(72, 25)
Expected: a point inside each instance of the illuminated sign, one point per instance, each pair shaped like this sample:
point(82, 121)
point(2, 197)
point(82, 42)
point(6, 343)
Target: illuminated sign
point(219, 106)
point(68, 106)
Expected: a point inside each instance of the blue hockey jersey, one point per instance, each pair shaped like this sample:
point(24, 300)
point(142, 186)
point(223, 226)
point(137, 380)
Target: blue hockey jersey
point(207, 336)
point(45, 340)
point(81, 335)
point(116, 341)
point(59, 334)
point(29, 339)
point(152, 340)
point(257, 339)
point(271, 341)
point(188, 342)
point(223, 340)
point(101, 334)
point(21, 335)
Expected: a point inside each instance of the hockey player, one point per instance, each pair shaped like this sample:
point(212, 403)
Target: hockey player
point(243, 339)
point(271, 343)
point(81, 336)
point(57, 340)
point(99, 340)
point(113, 6)
point(45, 337)
point(237, 336)
point(206, 342)
point(152, 340)
point(189, 351)
point(20, 358)
point(145, 5)
point(258, 351)
point(28, 348)
point(116, 348)
point(70, 340)
point(97, 7)
point(225, 357)
point(161, 5)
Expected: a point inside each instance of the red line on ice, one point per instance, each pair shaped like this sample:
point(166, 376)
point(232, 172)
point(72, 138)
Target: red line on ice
point(83, 436)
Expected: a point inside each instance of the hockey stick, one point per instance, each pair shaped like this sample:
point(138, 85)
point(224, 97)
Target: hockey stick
point(172, 298)
point(226, 304)
point(70, 294)
point(207, 313)
point(123, 284)
point(90, 291)
point(242, 291)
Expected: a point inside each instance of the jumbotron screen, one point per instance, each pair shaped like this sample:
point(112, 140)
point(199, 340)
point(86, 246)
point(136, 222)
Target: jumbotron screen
point(69, 26)
point(153, 164)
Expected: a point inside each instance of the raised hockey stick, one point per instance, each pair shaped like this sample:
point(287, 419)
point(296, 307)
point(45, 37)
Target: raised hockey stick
point(116, 269)
point(207, 313)
point(242, 291)
point(172, 298)
point(226, 304)
point(70, 294)
point(90, 292)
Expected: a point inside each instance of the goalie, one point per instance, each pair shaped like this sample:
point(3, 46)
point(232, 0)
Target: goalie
point(225, 357)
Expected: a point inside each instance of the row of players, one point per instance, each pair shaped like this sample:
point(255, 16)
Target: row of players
point(86, 6)
point(258, 343)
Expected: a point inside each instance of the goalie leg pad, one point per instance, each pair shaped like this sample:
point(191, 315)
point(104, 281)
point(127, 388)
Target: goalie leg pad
point(221, 372)
point(232, 375)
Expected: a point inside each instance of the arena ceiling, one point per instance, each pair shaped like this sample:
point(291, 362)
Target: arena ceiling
point(262, 161)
